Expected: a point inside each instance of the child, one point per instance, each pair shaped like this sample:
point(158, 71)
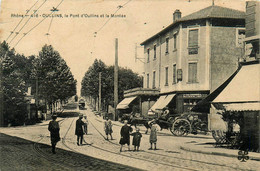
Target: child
point(136, 139)
point(108, 128)
point(153, 136)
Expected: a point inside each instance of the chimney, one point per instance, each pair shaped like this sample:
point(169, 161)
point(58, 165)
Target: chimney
point(176, 15)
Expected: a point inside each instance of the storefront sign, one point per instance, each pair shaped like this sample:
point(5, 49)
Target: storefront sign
point(194, 95)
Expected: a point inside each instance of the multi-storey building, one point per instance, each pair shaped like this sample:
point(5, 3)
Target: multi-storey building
point(194, 55)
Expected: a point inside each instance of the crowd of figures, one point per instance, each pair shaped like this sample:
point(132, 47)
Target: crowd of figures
point(125, 133)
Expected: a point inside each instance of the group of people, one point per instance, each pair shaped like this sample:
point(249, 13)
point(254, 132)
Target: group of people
point(81, 129)
point(125, 132)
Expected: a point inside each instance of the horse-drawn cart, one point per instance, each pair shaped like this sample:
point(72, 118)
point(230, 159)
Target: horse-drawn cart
point(178, 124)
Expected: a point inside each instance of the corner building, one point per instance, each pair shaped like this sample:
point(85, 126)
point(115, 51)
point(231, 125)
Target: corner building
point(193, 56)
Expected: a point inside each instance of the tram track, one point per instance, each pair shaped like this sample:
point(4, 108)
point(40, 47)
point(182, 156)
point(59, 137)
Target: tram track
point(170, 157)
point(155, 161)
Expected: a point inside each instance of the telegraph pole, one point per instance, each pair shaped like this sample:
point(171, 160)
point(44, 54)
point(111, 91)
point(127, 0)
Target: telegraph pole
point(116, 79)
point(1, 98)
point(99, 92)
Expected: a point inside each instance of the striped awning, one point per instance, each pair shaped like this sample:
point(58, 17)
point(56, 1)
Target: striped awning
point(124, 104)
point(165, 102)
point(157, 103)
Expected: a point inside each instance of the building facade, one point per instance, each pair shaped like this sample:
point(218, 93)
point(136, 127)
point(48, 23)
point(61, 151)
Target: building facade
point(194, 55)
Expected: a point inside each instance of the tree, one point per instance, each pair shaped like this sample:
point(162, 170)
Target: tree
point(13, 86)
point(89, 85)
point(55, 79)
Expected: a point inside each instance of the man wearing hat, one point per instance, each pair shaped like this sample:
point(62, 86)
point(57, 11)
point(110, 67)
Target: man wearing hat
point(55, 132)
point(79, 130)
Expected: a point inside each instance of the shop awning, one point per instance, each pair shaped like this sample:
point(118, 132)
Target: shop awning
point(244, 87)
point(165, 102)
point(124, 104)
point(242, 106)
point(158, 102)
point(243, 92)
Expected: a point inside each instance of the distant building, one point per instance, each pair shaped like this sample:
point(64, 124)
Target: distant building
point(194, 55)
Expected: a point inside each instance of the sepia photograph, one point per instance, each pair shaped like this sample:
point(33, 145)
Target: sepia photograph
point(129, 85)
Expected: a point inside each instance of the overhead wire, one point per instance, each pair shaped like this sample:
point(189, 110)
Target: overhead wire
point(37, 24)
point(119, 7)
point(95, 33)
point(28, 20)
point(27, 11)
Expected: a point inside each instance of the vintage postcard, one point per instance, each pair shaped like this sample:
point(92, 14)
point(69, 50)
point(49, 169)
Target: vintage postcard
point(129, 85)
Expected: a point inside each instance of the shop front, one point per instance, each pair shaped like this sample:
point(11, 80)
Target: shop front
point(240, 101)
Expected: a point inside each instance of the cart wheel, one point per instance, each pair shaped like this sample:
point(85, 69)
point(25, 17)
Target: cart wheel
point(181, 127)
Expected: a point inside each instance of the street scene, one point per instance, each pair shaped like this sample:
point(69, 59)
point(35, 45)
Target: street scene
point(129, 85)
point(32, 150)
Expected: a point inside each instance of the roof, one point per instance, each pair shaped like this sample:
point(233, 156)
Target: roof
point(244, 87)
point(209, 12)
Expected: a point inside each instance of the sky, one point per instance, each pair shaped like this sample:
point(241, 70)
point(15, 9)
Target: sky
point(86, 31)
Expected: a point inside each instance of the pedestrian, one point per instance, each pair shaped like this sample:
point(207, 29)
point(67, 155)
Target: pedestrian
point(79, 130)
point(85, 120)
point(125, 135)
point(153, 136)
point(108, 128)
point(136, 139)
point(55, 132)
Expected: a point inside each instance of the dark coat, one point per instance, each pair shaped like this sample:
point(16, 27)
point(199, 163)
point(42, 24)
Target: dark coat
point(55, 131)
point(136, 138)
point(79, 127)
point(125, 134)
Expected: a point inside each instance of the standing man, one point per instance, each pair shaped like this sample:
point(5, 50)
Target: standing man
point(55, 132)
point(79, 130)
point(125, 135)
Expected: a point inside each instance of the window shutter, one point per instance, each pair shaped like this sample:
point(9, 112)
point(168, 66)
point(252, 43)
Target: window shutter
point(193, 38)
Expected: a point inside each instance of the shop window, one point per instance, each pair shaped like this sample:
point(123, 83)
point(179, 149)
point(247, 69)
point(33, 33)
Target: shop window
point(188, 104)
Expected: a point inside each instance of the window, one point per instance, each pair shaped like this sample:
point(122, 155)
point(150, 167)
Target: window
point(174, 41)
point(192, 73)
point(154, 51)
point(167, 45)
point(154, 79)
point(174, 74)
point(147, 80)
point(193, 41)
point(240, 37)
point(148, 55)
point(166, 76)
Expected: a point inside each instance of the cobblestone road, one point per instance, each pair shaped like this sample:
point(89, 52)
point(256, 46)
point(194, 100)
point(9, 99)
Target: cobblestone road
point(168, 157)
point(21, 154)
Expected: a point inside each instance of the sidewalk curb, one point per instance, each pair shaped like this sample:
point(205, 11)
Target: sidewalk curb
point(215, 153)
